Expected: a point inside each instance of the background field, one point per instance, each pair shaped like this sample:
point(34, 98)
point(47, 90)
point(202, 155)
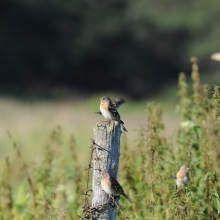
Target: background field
point(32, 122)
point(46, 151)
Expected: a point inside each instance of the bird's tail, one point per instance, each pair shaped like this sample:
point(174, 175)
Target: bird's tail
point(124, 128)
point(122, 124)
point(126, 197)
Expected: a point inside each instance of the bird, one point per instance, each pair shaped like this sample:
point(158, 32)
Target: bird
point(109, 111)
point(116, 102)
point(182, 177)
point(111, 186)
point(215, 56)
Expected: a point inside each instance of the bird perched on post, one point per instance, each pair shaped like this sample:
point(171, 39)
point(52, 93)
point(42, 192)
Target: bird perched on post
point(182, 177)
point(111, 186)
point(116, 102)
point(109, 111)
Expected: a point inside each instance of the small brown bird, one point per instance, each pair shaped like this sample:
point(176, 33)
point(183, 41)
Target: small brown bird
point(182, 177)
point(116, 102)
point(109, 111)
point(111, 186)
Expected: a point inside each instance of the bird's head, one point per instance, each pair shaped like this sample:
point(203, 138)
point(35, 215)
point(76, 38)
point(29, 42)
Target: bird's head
point(184, 168)
point(105, 175)
point(105, 99)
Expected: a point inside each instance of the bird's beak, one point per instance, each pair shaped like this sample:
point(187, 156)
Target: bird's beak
point(100, 99)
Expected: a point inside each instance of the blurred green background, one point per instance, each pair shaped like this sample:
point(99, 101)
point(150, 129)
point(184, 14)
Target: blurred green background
point(58, 57)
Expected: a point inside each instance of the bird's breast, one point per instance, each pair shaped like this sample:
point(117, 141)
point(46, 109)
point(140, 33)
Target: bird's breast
point(106, 186)
point(105, 113)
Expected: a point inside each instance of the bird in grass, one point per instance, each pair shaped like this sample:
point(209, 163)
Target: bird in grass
point(182, 177)
point(111, 186)
point(116, 102)
point(109, 111)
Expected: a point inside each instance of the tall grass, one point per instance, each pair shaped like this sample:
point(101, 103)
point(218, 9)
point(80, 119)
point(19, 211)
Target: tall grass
point(153, 166)
point(54, 188)
point(50, 190)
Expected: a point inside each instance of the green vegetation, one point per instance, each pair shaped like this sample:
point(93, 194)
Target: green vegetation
point(149, 178)
point(52, 187)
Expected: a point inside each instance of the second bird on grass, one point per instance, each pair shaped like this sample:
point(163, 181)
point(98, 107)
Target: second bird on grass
point(182, 177)
point(109, 111)
point(111, 186)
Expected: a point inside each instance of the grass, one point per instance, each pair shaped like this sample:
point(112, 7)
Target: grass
point(42, 164)
point(31, 122)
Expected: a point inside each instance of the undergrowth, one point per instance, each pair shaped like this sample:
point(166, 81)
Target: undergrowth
point(155, 162)
point(54, 188)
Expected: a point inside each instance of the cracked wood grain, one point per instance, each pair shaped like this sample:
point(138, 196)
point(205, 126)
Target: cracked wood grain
point(106, 135)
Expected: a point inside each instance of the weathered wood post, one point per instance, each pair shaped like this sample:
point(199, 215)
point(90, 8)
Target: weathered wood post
point(107, 136)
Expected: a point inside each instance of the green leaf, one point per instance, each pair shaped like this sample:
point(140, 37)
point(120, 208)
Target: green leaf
point(187, 124)
point(138, 161)
point(187, 116)
point(197, 131)
point(198, 181)
point(208, 175)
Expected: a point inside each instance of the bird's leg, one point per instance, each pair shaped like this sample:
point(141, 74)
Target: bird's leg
point(108, 121)
point(111, 200)
point(114, 202)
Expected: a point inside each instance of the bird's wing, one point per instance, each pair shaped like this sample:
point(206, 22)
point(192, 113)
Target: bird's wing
point(187, 174)
point(116, 115)
point(116, 186)
point(180, 174)
point(114, 112)
point(117, 103)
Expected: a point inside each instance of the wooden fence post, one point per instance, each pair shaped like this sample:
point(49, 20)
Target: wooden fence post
point(107, 136)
